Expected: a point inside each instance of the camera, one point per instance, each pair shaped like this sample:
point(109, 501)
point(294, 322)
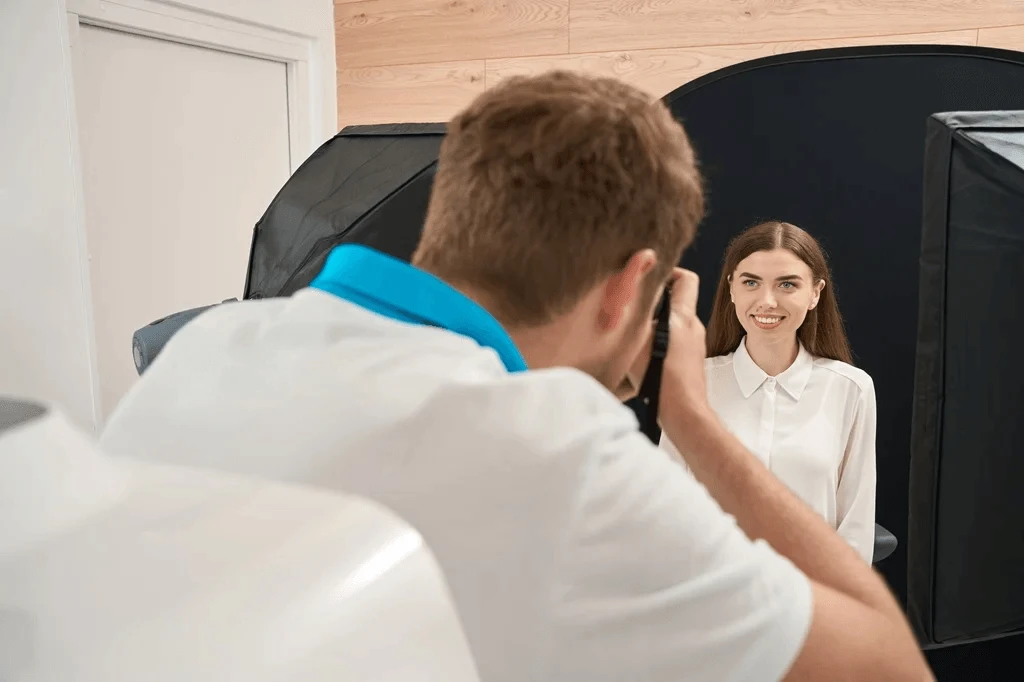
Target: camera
point(650, 388)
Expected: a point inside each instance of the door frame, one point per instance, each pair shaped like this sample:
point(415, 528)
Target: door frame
point(168, 20)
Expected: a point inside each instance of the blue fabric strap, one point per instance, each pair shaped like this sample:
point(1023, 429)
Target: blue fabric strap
point(395, 289)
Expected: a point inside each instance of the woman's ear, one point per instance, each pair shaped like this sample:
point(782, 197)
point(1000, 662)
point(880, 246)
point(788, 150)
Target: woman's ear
point(817, 294)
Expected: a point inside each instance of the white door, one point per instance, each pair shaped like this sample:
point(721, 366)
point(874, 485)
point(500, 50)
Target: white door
point(183, 148)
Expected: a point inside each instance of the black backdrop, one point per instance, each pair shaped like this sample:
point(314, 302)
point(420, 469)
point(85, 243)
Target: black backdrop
point(833, 141)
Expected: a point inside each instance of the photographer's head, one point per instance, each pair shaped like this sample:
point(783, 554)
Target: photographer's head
point(561, 204)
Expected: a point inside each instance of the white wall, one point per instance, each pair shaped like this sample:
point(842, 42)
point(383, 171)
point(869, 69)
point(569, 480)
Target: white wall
point(46, 333)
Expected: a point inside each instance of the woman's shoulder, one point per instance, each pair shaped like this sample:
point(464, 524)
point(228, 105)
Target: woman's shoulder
point(718, 360)
point(718, 365)
point(855, 375)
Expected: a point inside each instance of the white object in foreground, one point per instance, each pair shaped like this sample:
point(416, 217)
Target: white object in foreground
point(114, 570)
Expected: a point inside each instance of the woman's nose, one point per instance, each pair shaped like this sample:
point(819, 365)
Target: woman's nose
point(768, 300)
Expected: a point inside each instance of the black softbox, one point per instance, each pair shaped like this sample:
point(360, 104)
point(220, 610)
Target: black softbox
point(366, 185)
point(966, 535)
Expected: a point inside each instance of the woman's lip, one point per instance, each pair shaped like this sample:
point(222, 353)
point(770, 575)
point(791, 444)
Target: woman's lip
point(771, 325)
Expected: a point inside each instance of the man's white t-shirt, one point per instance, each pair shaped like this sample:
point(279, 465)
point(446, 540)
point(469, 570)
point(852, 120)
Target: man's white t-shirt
point(574, 548)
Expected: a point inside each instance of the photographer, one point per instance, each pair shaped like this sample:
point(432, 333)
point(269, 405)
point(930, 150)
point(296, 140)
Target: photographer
point(475, 391)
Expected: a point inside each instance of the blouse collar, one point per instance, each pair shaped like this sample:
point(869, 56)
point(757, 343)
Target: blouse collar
point(750, 376)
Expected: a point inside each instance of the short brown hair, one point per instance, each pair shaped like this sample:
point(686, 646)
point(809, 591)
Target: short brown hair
point(822, 332)
point(549, 183)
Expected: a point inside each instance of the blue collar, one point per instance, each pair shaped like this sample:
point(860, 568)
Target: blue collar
point(395, 289)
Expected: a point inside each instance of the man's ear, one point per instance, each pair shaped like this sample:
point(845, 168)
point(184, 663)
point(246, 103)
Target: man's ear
point(623, 289)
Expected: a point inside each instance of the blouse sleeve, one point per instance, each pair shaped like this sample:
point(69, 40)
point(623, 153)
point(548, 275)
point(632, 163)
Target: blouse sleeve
point(855, 495)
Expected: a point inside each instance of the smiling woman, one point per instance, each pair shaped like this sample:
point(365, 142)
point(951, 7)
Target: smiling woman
point(780, 376)
point(778, 272)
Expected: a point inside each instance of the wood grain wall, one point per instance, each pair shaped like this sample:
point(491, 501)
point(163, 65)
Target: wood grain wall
point(422, 60)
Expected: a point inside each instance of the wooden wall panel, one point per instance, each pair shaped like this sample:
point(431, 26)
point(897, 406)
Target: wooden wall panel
point(422, 93)
point(422, 60)
point(661, 71)
point(386, 32)
point(602, 25)
point(1006, 37)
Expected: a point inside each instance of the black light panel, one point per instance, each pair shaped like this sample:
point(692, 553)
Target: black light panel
point(966, 539)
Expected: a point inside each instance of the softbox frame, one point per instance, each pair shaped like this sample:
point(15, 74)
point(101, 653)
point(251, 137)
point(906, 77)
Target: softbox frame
point(966, 534)
point(366, 185)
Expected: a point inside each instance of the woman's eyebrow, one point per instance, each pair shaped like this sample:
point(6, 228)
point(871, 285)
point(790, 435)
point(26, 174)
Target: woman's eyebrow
point(784, 278)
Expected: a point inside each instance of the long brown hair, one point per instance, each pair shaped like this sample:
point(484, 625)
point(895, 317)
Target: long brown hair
point(822, 332)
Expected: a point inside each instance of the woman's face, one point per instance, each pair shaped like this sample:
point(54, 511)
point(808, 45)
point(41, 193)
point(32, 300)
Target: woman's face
point(772, 292)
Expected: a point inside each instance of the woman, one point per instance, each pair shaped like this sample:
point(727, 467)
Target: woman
point(780, 376)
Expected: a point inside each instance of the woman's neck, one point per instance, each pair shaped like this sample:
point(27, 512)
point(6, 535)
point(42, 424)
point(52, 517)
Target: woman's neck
point(773, 357)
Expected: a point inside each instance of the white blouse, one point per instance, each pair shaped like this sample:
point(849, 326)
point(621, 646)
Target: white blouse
point(812, 425)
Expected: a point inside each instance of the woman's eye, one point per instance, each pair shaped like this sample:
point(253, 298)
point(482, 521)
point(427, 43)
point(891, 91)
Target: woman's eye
point(750, 283)
point(787, 285)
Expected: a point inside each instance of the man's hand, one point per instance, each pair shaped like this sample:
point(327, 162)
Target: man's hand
point(683, 385)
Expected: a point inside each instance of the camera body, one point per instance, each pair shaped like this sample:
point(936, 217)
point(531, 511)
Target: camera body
point(650, 390)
